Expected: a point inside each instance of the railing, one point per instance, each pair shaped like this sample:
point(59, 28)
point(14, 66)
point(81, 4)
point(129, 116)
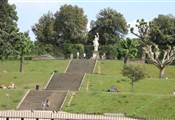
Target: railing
point(54, 115)
point(57, 115)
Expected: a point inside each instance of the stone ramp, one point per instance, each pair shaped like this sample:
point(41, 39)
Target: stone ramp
point(81, 66)
point(34, 99)
point(65, 82)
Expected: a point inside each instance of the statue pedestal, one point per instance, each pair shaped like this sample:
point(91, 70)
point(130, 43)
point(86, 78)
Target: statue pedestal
point(95, 55)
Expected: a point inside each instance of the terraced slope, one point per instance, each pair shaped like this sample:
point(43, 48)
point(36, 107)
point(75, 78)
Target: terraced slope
point(65, 82)
point(34, 99)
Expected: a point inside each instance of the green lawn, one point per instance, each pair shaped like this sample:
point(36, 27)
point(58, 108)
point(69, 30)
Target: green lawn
point(35, 73)
point(126, 103)
point(101, 83)
point(152, 96)
point(10, 98)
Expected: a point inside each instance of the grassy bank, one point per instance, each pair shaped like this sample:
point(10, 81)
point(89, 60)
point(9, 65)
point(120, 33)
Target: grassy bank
point(35, 73)
point(125, 103)
point(152, 96)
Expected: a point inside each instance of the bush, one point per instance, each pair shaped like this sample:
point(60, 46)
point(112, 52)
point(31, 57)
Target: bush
point(134, 72)
point(70, 48)
point(88, 49)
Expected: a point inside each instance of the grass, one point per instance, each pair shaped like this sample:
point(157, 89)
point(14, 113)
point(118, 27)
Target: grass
point(152, 97)
point(101, 83)
point(126, 103)
point(129, 104)
point(109, 67)
point(35, 73)
point(10, 98)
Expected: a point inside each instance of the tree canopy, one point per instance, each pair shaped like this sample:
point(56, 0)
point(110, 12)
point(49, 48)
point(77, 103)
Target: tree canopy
point(44, 29)
point(110, 25)
point(23, 46)
point(134, 72)
point(127, 48)
point(160, 33)
point(8, 29)
point(163, 31)
point(70, 24)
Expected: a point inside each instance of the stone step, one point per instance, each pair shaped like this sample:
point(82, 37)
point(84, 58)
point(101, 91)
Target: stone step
point(34, 100)
point(65, 82)
point(81, 66)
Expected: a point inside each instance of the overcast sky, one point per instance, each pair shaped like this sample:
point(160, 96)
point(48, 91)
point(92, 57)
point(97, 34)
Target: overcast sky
point(29, 11)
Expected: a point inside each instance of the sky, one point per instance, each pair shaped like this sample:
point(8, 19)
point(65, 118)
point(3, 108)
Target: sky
point(29, 11)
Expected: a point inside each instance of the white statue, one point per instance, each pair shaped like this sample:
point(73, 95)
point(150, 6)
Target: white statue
point(96, 43)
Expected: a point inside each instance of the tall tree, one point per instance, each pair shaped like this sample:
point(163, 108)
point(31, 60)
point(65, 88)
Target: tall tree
point(127, 48)
point(164, 30)
point(110, 25)
point(44, 29)
point(154, 33)
point(70, 24)
point(143, 31)
point(154, 54)
point(23, 46)
point(8, 29)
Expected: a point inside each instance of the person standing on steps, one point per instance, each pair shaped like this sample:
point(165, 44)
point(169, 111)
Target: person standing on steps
point(47, 104)
point(44, 105)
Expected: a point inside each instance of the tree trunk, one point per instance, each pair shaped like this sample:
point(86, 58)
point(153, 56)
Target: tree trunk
point(125, 60)
point(132, 87)
point(161, 75)
point(21, 64)
point(144, 56)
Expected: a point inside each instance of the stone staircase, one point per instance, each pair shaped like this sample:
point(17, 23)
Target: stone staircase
point(65, 82)
point(81, 66)
point(34, 99)
point(58, 86)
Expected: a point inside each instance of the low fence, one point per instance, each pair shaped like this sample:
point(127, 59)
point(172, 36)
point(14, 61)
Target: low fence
point(54, 115)
point(57, 115)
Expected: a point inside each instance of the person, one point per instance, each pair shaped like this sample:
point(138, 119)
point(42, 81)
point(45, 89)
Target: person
point(78, 54)
point(47, 103)
point(44, 105)
point(84, 55)
point(96, 43)
point(103, 57)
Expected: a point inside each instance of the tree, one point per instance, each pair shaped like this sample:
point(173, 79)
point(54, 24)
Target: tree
point(70, 48)
point(127, 48)
point(8, 29)
point(154, 54)
point(44, 29)
point(23, 46)
point(70, 24)
point(143, 31)
point(143, 34)
point(154, 33)
point(164, 30)
point(110, 25)
point(134, 72)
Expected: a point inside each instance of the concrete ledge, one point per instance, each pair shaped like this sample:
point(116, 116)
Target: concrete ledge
point(114, 114)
